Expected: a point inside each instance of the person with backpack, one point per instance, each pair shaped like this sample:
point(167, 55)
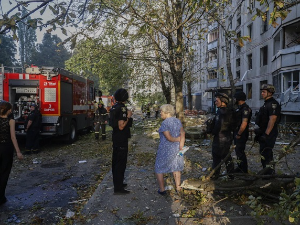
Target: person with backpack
point(100, 120)
point(267, 120)
point(121, 121)
point(32, 128)
point(221, 129)
point(241, 133)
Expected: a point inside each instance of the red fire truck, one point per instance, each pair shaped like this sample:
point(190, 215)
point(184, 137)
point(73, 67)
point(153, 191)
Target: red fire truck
point(64, 99)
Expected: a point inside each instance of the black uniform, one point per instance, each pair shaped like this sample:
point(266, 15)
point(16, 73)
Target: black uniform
point(222, 131)
point(270, 107)
point(100, 119)
point(33, 132)
point(6, 156)
point(243, 112)
point(120, 146)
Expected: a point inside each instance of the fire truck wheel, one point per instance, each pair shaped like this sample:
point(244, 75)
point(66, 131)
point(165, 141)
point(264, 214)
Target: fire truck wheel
point(73, 133)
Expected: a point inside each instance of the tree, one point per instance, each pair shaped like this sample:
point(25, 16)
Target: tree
point(27, 39)
point(103, 63)
point(51, 52)
point(8, 50)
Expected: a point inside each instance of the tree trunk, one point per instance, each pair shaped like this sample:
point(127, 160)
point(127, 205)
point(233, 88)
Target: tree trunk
point(189, 90)
point(228, 66)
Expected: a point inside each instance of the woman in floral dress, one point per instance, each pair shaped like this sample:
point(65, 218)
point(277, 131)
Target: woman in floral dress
point(172, 138)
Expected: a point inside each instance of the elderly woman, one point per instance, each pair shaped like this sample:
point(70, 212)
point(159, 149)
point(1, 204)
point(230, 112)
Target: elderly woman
point(172, 138)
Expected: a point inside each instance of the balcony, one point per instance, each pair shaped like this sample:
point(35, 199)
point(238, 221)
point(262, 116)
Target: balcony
point(212, 26)
point(212, 63)
point(212, 45)
point(286, 57)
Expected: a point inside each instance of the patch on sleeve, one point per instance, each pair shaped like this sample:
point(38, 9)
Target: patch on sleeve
point(274, 106)
point(123, 109)
point(246, 112)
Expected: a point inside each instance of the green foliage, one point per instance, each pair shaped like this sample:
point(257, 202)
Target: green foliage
point(103, 63)
point(287, 209)
point(8, 50)
point(50, 52)
point(142, 98)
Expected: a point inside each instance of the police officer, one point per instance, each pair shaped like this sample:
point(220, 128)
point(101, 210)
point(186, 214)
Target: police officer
point(122, 122)
point(222, 131)
point(148, 110)
point(32, 129)
point(267, 119)
point(243, 116)
point(100, 120)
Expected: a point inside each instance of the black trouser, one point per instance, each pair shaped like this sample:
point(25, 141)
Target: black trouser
point(97, 131)
point(220, 148)
point(240, 152)
point(156, 114)
point(6, 161)
point(119, 161)
point(103, 126)
point(32, 139)
point(148, 114)
point(266, 148)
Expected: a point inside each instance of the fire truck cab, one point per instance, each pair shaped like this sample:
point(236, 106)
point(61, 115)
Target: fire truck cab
point(65, 100)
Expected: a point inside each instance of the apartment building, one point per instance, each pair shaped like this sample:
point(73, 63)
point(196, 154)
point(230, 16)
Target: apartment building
point(272, 56)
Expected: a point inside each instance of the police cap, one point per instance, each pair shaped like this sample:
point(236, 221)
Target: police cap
point(121, 95)
point(223, 97)
point(33, 104)
point(268, 87)
point(240, 96)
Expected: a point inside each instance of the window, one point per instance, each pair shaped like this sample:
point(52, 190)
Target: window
point(238, 22)
point(249, 58)
point(212, 74)
point(230, 22)
point(238, 74)
point(238, 62)
point(264, 23)
point(251, 4)
point(250, 30)
point(239, 10)
point(238, 48)
point(249, 91)
point(291, 80)
point(261, 83)
point(264, 56)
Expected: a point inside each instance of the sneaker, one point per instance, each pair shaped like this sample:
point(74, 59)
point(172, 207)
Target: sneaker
point(121, 192)
point(163, 193)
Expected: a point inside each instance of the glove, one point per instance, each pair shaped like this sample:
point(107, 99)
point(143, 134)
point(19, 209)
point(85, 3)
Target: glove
point(263, 138)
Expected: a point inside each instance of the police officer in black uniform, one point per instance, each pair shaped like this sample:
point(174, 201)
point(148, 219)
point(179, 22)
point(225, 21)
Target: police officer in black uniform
point(121, 123)
point(100, 120)
point(222, 131)
point(243, 116)
point(267, 119)
point(32, 129)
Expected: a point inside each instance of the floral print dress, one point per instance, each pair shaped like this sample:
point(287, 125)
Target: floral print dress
point(167, 160)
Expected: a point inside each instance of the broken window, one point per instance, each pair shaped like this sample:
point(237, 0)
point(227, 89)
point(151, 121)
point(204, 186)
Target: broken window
point(291, 80)
point(249, 90)
point(264, 56)
point(249, 61)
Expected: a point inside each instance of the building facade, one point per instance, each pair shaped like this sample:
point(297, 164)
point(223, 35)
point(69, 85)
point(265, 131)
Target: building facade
point(272, 56)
